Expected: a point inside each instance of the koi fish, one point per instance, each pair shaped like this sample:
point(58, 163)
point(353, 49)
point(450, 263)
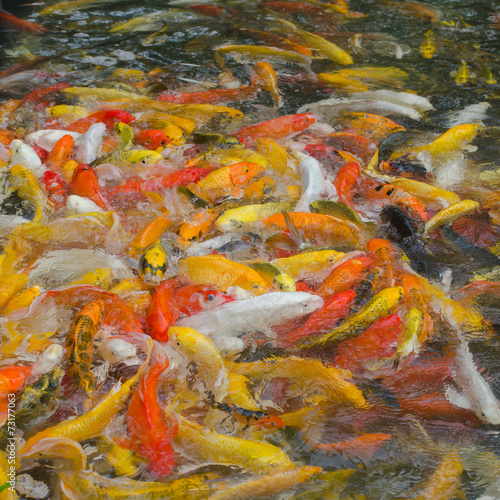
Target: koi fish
point(381, 304)
point(245, 92)
point(320, 228)
point(329, 381)
point(85, 183)
point(276, 128)
point(61, 152)
point(256, 418)
point(162, 311)
point(151, 436)
point(257, 313)
point(308, 264)
point(274, 275)
point(222, 273)
point(203, 444)
point(21, 24)
point(92, 423)
point(428, 46)
point(199, 349)
point(335, 308)
point(362, 447)
point(152, 139)
point(193, 299)
point(376, 342)
point(270, 484)
point(226, 182)
point(81, 343)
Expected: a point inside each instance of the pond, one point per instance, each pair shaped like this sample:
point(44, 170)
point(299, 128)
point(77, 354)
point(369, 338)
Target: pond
point(250, 249)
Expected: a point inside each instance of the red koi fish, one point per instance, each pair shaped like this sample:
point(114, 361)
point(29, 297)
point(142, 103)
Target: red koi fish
point(151, 139)
point(107, 116)
point(357, 145)
point(20, 24)
point(39, 93)
point(182, 177)
point(192, 299)
point(43, 154)
point(362, 447)
point(276, 128)
point(56, 188)
point(150, 435)
point(85, 183)
point(214, 96)
point(162, 312)
point(334, 309)
point(378, 341)
point(325, 154)
point(436, 406)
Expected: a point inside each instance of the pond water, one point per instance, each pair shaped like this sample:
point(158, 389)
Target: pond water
point(250, 250)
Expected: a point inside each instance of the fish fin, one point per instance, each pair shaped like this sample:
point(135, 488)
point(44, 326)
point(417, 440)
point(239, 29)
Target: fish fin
point(295, 234)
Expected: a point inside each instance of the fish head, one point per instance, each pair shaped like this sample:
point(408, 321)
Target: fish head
point(209, 297)
point(284, 283)
point(16, 146)
point(184, 340)
point(241, 173)
point(270, 422)
point(149, 158)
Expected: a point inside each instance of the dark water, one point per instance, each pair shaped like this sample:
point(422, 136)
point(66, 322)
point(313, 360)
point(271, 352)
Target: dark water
point(80, 50)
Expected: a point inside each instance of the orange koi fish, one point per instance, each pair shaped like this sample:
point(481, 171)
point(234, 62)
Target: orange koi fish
point(81, 343)
point(226, 181)
point(152, 139)
point(162, 312)
point(323, 229)
point(346, 179)
point(214, 96)
point(345, 276)
point(277, 128)
point(60, 152)
point(363, 447)
point(13, 378)
point(150, 435)
point(20, 24)
point(107, 116)
point(85, 183)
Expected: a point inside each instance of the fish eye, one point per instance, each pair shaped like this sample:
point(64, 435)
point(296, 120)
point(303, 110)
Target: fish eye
point(148, 141)
point(143, 161)
point(164, 142)
point(330, 259)
point(246, 169)
point(179, 344)
point(211, 297)
point(255, 285)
